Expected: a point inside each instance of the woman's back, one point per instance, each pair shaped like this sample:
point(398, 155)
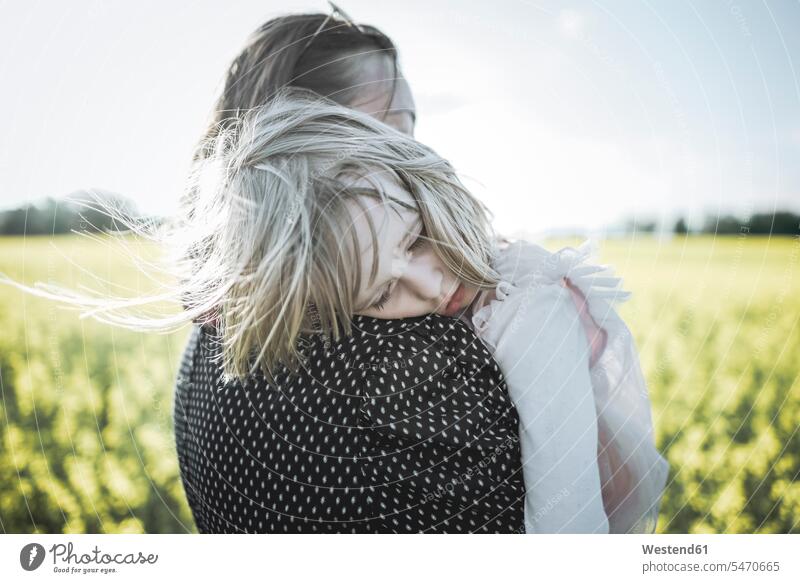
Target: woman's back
point(405, 426)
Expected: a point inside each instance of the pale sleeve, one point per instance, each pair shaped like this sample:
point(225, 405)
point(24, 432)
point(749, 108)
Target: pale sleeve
point(544, 355)
point(554, 326)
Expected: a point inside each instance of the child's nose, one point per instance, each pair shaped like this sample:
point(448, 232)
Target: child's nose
point(423, 276)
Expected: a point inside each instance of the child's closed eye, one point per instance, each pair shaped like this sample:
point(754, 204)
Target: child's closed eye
point(418, 243)
point(385, 296)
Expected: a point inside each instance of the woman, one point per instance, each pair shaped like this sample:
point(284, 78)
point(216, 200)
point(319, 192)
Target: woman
point(330, 449)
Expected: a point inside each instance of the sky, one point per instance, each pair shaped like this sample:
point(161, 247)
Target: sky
point(558, 115)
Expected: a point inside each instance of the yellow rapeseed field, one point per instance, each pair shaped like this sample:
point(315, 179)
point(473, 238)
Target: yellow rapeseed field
point(86, 409)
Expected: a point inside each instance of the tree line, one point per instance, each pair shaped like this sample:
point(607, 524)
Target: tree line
point(770, 223)
point(83, 212)
point(775, 223)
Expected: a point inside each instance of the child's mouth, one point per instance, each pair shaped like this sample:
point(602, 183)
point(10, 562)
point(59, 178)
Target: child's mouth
point(454, 305)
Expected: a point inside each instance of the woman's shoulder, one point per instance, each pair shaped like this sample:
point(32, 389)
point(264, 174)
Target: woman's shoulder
point(431, 336)
point(411, 335)
point(432, 342)
point(430, 348)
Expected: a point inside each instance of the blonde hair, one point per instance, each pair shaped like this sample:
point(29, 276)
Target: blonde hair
point(264, 234)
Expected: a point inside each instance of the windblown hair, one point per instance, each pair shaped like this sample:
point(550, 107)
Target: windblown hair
point(266, 233)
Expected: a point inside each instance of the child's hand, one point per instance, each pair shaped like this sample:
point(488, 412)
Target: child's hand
point(596, 336)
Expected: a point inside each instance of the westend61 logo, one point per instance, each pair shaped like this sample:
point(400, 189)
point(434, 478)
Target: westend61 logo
point(65, 560)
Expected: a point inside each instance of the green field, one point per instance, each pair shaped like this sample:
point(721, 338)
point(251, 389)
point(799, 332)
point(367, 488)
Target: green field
point(86, 439)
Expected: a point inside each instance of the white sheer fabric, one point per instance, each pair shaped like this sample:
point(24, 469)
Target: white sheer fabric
point(589, 461)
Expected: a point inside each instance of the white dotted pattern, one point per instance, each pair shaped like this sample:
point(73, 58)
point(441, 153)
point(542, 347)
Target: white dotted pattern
point(405, 426)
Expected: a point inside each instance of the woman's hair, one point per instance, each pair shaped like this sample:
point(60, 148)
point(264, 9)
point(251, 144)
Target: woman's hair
point(266, 231)
point(293, 51)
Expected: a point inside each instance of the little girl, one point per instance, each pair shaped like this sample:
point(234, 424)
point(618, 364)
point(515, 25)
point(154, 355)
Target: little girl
point(305, 204)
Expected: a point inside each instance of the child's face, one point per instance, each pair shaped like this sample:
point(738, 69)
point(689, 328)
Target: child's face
point(411, 279)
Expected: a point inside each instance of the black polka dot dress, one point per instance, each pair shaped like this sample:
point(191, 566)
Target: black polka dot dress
point(405, 426)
